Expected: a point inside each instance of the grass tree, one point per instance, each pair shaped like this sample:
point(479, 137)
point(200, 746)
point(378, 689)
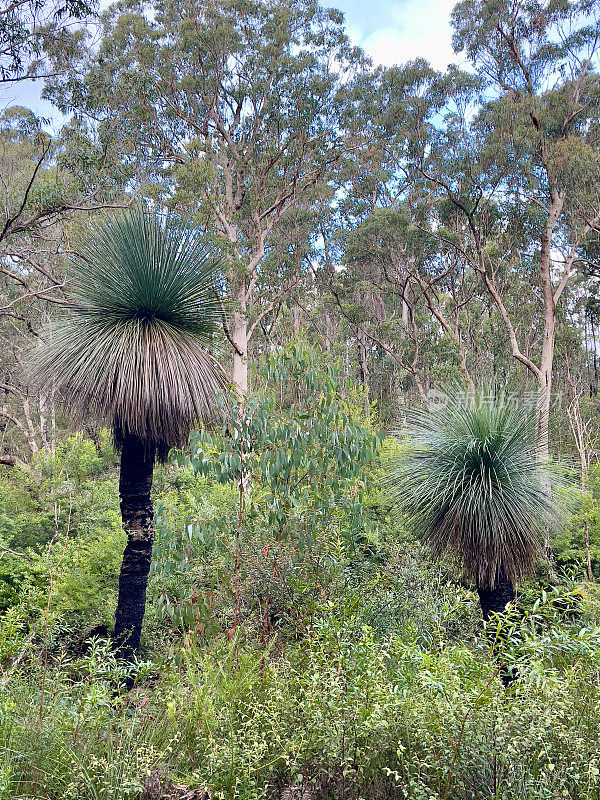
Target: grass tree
point(132, 353)
point(472, 484)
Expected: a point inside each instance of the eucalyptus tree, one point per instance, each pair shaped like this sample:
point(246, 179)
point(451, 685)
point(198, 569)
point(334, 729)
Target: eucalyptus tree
point(507, 154)
point(540, 139)
point(407, 291)
point(471, 482)
point(518, 159)
point(39, 36)
point(423, 289)
point(240, 105)
point(133, 354)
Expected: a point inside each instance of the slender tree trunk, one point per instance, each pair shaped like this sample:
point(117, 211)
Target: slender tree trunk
point(544, 393)
point(239, 334)
point(53, 425)
point(365, 375)
point(584, 464)
point(327, 332)
point(44, 421)
point(587, 352)
point(549, 333)
point(29, 428)
point(347, 361)
point(295, 319)
point(544, 378)
point(137, 463)
point(595, 389)
point(405, 314)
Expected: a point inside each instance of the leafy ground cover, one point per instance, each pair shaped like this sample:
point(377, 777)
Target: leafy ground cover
point(298, 642)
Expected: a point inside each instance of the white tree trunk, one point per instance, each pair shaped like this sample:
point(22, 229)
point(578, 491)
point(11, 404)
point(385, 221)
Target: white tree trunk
point(544, 394)
point(296, 319)
point(546, 362)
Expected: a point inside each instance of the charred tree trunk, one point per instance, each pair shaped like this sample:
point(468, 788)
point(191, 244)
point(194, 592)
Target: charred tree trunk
point(494, 601)
point(137, 463)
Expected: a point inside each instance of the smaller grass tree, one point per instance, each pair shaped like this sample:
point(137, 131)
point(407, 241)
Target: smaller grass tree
point(471, 481)
point(132, 353)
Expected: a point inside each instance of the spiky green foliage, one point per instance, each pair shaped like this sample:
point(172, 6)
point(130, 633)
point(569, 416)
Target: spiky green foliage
point(132, 350)
point(472, 484)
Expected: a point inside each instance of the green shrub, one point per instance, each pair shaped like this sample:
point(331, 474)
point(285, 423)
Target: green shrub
point(347, 711)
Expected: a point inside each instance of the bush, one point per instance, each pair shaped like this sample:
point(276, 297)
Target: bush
point(346, 712)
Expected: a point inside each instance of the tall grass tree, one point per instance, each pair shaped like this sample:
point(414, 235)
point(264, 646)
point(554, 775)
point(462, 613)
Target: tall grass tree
point(473, 486)
point(133, 354)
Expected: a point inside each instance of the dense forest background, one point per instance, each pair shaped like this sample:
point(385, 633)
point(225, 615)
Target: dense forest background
point(384, 236)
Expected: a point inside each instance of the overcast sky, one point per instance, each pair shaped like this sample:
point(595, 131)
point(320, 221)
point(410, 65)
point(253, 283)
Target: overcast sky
point(390, 31)
point(394, 31)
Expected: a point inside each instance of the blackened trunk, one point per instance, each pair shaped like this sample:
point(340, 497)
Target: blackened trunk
point(137, 463)
point(494, 601)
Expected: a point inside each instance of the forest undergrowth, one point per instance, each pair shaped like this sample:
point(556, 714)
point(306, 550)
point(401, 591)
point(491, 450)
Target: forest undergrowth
point(288, 652)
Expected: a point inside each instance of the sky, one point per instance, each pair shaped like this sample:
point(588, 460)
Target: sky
point(390, 31)
point(394, 31)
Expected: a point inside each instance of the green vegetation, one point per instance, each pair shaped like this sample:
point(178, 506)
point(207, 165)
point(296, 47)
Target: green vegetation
point(246, 534)
point(275, 659)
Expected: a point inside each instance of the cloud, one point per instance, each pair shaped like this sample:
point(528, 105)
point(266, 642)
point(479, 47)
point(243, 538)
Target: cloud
point(416, 28)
